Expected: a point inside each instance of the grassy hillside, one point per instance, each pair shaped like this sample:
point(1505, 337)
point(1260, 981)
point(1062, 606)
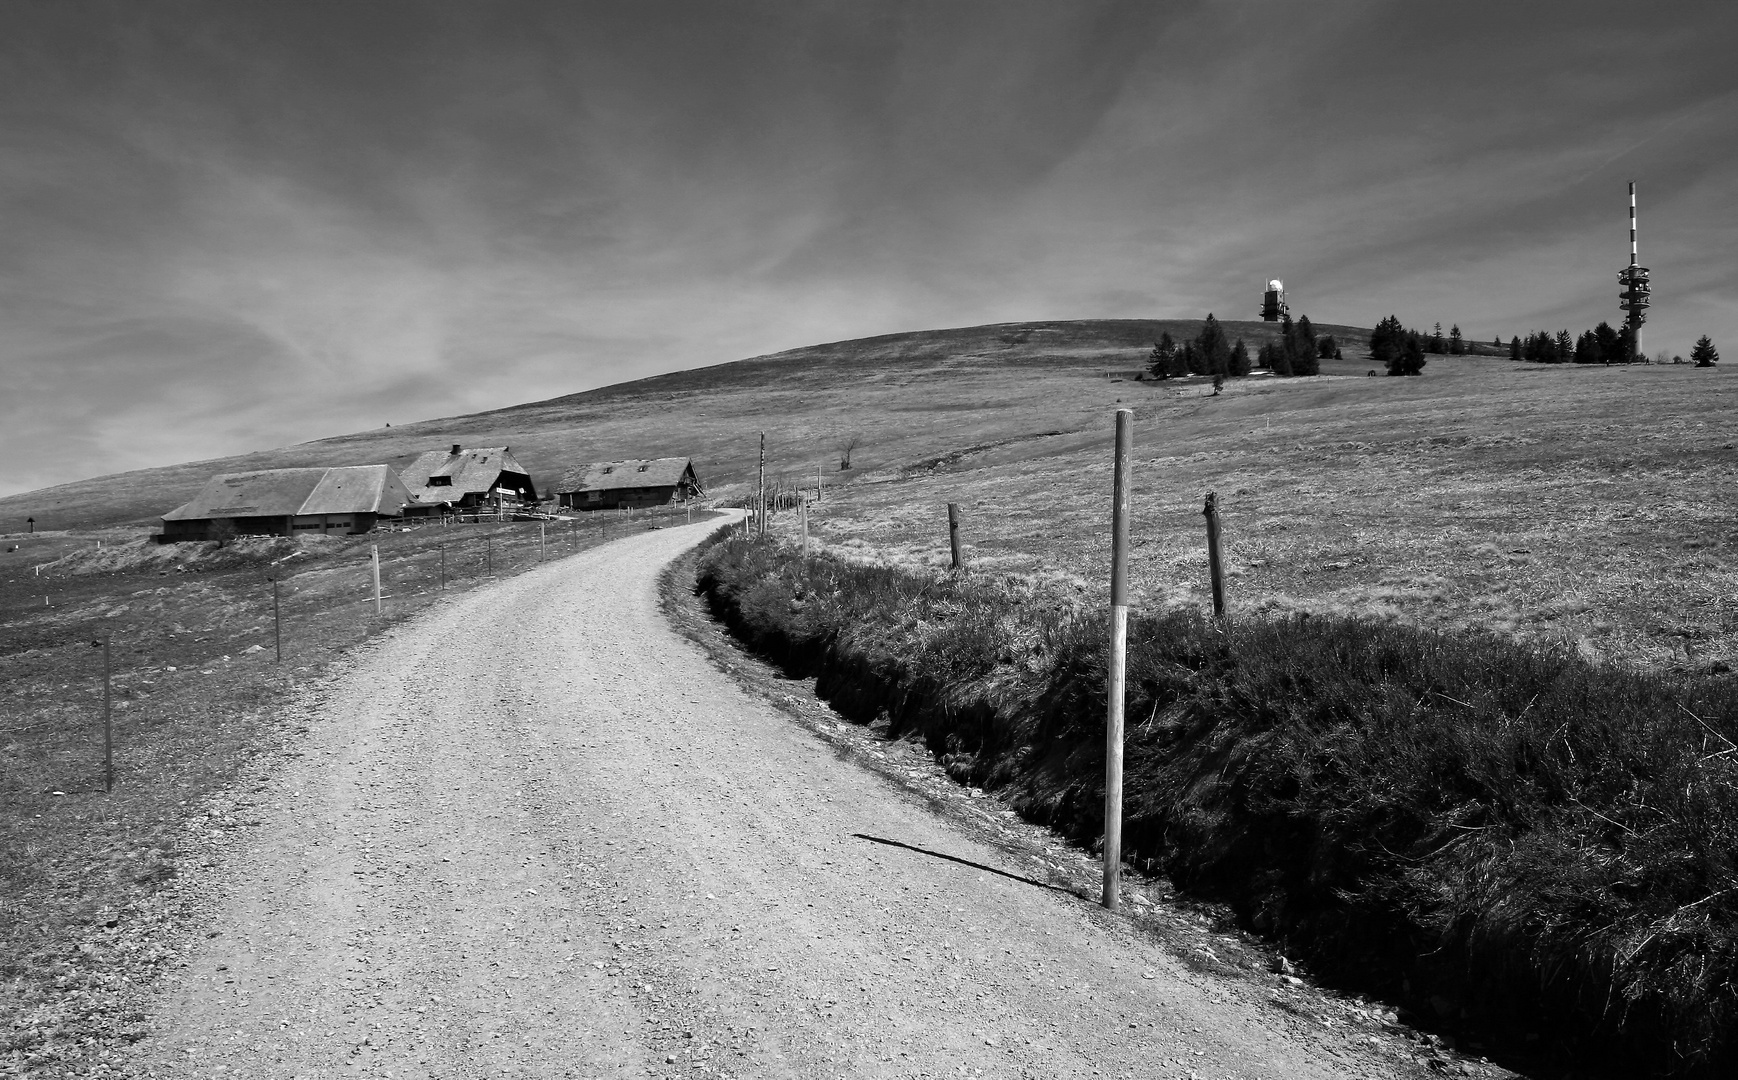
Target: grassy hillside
point(1584, 506)
point(928, 392)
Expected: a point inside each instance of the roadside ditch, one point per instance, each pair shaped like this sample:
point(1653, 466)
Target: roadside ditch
point(1522, 853)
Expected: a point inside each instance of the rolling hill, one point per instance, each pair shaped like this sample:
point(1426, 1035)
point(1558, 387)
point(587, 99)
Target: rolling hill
point(995, 381)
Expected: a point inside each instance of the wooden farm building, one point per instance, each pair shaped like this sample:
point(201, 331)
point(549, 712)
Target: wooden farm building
point(612, 485)
point(283, 502)
point(468, 479)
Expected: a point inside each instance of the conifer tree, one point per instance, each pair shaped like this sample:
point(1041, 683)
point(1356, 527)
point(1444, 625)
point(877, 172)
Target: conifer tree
point(1436, 343)
point(1180, 360)
point(1514, 348)
point(1704, 354)
point(1159, 364)
point(1214, 352)
point(1301, 347)
point(1239, 358)
point(1456, 347)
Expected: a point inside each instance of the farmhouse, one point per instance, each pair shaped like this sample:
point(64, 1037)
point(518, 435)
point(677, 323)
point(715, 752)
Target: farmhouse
point(282, 502)
point(611, 485)
point(468, 479)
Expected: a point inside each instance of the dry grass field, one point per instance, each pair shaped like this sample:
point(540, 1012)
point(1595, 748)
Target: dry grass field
point(1589, 507)
point(1580, 505)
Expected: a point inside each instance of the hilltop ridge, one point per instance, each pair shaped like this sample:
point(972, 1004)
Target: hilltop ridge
point(894, 387)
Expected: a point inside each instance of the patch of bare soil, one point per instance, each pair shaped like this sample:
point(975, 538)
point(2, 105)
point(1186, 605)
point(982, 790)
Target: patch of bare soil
point(533, 833)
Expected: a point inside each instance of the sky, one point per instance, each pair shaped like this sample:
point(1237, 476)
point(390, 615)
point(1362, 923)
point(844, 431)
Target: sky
point(229, 226)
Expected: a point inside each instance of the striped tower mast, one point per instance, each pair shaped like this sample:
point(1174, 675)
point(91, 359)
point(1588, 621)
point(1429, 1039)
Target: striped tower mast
point(1637, 289)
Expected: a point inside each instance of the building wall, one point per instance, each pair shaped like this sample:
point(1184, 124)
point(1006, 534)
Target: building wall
point(617, 498)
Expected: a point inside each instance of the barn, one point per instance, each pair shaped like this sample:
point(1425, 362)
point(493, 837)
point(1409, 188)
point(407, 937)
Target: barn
point(638, 482)
point(468, 479)
point(284, 502)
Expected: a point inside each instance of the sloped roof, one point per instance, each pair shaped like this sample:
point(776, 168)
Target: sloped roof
point(348, 489)
point(631, 473)
point(357, 489)
point(474, 470)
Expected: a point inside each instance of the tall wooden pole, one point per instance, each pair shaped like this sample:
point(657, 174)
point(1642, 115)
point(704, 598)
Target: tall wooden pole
point(443, 550)
point(1119, 515)
point(108, 736)
point(803, 513)
point(953, 534)
point(277, 622)
point(1215, 562)
point(488, 554)
point(817, 481)
point(760, 499)
point(374, 549)
point(542, 542)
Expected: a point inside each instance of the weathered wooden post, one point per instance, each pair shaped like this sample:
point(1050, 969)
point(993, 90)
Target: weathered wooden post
point(1215, 562)
point(488, 555)
point(760, 497)
point(953, 534)
point(542, 542)
point(443, 551)
point(803, 513)
point(374, 550)
point(818, 484)
point(277, 622)
point(108, 736)
point(1119, 529)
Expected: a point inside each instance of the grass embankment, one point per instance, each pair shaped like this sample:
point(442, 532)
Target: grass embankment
point(198, 695)
point(1526, 849)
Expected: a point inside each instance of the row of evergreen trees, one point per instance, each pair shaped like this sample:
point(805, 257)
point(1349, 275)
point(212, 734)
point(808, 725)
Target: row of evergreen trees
point(1600, 345)
point(1297, 352)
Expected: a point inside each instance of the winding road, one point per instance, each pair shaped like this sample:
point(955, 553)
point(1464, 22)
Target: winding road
point(536, 833)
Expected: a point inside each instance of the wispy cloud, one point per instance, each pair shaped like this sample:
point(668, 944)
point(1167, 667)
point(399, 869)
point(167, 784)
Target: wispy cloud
point(231, 226)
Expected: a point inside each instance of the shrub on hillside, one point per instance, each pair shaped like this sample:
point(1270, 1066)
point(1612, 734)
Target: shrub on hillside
point(1509, 841)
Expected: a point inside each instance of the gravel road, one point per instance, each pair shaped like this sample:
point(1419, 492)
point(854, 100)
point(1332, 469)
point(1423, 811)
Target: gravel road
point(535, 833)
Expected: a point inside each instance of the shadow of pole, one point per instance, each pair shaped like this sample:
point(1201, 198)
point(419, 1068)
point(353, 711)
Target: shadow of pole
point(964, 862)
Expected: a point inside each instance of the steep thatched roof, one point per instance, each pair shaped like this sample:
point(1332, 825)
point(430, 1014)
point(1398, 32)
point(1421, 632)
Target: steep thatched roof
point(468, 471)
point(349, 489)
point(632, 473)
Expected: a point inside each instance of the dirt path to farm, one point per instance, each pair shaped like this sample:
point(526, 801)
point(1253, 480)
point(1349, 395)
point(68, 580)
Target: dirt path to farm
point(535, 833)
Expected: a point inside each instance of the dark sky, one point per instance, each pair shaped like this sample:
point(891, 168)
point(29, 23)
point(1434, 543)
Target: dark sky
point(235, 225)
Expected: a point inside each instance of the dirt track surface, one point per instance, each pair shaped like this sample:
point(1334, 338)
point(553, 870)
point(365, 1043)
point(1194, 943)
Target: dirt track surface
point(534, 833)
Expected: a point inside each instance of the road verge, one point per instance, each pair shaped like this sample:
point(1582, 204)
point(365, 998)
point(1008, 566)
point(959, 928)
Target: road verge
point(1527, 851)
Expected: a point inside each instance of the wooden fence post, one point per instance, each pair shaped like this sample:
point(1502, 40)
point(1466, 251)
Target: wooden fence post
point(1113, 728)
point(542, 542)
point(803, 513)
point(374, 550)
point(443, 550)
point(1215, 562)
point(953, 534)
point(760, 498)
point(108, 736)
point(277, 622)
point(488, 555)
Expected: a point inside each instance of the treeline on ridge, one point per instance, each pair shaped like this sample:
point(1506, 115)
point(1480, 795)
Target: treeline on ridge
point(1297, 352)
